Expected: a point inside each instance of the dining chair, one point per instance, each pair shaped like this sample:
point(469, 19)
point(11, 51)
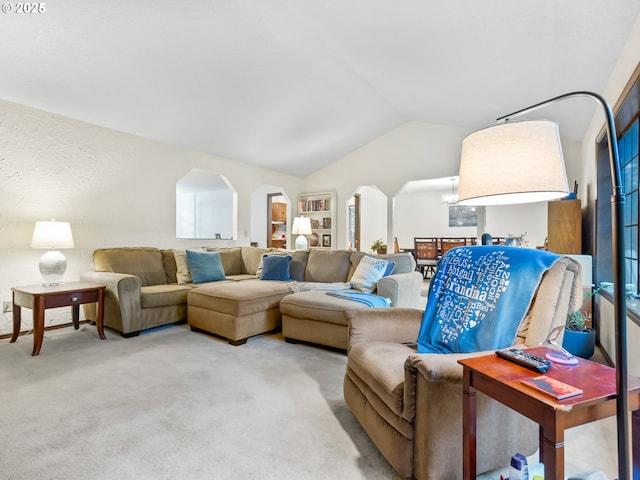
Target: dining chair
point(447, 243)
point(426, 254)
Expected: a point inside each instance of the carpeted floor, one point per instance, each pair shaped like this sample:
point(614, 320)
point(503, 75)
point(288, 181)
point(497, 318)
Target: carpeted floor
point(173, 404)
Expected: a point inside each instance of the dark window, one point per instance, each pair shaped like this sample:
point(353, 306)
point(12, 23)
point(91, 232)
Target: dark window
point(627, 119)
point(628, 152)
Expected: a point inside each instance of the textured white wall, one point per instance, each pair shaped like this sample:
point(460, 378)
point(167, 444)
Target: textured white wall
point(373, 212)
point(115, 189)
point(119, 190)
point(413, 151)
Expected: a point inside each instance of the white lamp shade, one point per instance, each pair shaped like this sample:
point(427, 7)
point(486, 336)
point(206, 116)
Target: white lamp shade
point(512, 163)
point(301, 226)
point(52, 235)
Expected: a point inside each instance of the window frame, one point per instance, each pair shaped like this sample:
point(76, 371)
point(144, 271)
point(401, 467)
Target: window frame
point(627, 114)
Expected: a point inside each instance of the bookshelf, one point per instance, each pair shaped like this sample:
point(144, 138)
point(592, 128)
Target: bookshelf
point(320, 208)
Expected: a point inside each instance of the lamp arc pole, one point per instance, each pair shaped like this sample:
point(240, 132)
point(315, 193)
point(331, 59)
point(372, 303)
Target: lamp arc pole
point(619, 299)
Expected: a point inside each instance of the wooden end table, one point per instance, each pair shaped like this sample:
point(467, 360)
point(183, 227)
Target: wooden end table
point(40, 297)
point(500, 379)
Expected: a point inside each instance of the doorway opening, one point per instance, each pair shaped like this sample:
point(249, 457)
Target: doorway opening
point(276, 220)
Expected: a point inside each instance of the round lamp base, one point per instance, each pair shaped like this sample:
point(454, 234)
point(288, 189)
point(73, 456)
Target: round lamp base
point(52, 265)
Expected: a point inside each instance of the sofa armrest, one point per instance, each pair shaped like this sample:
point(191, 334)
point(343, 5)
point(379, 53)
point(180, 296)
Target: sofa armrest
point(403, 289)
point(122, 300)
point(396, 325)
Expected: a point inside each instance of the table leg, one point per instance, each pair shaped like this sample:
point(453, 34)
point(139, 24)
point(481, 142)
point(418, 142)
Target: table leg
point(75, 316)
point(17, 320)
point(469, 396)
point(552, 450)
point(100, 316)
point(38, 324)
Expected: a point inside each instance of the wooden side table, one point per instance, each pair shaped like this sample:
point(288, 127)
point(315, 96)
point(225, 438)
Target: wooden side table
point(501, 380)
point(39, 297)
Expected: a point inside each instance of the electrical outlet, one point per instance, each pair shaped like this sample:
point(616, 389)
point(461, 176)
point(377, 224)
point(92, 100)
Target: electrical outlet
point(6, 306)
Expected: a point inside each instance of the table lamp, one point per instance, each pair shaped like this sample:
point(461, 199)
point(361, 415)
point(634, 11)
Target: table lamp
point(522, 162)
point(301, 227)
point(52, 236)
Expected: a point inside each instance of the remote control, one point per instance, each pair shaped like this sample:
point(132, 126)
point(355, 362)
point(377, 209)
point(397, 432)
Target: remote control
point(527, 360)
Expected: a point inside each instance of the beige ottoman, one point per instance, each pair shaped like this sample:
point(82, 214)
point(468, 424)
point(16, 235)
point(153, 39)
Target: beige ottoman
point(316, 317)
point(236, 310)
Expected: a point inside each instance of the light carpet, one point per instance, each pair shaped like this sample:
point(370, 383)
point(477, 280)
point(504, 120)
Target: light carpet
point(173, 404)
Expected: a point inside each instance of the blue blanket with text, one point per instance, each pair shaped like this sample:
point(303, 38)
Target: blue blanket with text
point(479, 297)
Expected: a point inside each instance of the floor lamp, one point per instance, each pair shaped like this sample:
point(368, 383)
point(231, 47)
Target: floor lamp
point(529, 154)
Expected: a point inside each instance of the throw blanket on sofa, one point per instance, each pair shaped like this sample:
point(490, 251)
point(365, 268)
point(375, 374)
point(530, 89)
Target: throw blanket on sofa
point(479, 297)
point(369, 299)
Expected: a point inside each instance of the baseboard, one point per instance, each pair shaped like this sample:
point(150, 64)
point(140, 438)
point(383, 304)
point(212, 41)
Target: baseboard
point(50, 327)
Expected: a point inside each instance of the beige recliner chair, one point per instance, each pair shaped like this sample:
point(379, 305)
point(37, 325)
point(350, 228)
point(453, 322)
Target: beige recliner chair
point(410, 404)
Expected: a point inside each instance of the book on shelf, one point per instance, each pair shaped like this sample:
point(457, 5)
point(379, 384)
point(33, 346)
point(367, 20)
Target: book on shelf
point(550, 386)
point(321, 205)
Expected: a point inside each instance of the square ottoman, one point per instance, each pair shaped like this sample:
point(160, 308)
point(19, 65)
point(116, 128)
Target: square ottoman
point(236, 310)
point(316, 317)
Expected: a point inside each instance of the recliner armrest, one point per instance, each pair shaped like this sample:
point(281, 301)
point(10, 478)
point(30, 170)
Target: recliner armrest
point(438, 367)
point(396, 325)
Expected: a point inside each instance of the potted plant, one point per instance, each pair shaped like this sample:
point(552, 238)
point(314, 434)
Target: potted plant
point(379, 247)
point(579, 339)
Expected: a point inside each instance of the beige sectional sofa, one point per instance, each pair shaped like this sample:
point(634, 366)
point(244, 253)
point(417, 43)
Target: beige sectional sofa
point(146, 288)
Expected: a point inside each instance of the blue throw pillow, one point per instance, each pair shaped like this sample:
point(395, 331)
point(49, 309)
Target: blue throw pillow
point(391, 265)
point(276, 267)
point(205, 266)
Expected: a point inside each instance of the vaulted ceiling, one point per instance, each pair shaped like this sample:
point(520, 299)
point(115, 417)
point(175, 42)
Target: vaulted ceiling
point(293, 85)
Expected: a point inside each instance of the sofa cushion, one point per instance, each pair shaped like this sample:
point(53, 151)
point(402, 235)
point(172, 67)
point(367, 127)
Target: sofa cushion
point(231, 258)
point(317, 305)
point(367, 274)
point(251, 257)
point(153, 296)
point(261, 263)
point(327, 265)
point(299, 265)
point(144, 262)
point(205, 266)
point(391, 266)
point(183, 275)
point(276, 267)
point(404, 261)
point(170, 267)
point(296, 268)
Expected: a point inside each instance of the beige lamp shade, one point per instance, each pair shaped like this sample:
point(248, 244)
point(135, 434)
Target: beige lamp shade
point(518, 162)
